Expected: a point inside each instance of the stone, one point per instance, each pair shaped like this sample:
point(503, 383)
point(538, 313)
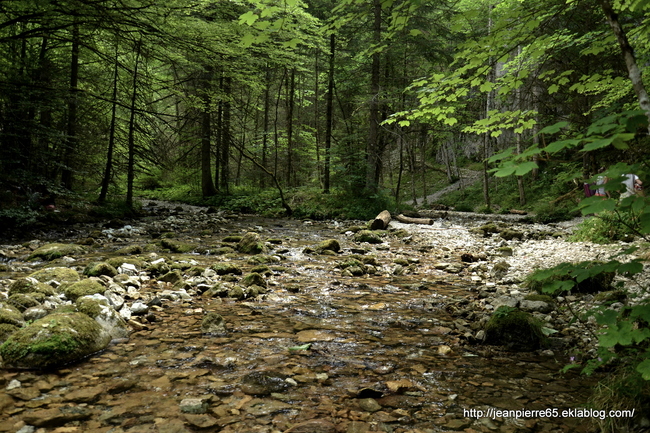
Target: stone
point(253, 279)
point(369, 405)
point(11, 315)
point(54, 340)
point(194, 405)
point(49, 252)
point(200, 420)
point(54, 417)
point(313, 426)
point(59, 274)
point(97, 269)
point(367, 236)
point(83, 288)
point(328, 245)
point(99, 308)
point(535, 306)
point(515, 329)
point(251, 243)
point(213, 323)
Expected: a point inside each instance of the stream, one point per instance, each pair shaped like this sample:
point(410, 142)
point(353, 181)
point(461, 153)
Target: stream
point(320, 352)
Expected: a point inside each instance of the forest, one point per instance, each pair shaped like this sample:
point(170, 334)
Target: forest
point(326, 109)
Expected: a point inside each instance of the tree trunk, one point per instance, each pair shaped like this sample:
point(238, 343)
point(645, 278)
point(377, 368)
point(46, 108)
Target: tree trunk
point(328, 116)
point(207, 186)
point(372, 148)
point(291, 90)
point(408, 220)
point(486, 137)
point(227, 138)
point(381, 221)
point(71, 133)
point(265, 137)
point(130, 170)
point(630, 60)
point(111, 133)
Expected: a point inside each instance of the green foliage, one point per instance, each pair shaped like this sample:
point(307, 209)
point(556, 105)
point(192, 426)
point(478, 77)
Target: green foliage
point(603, 228)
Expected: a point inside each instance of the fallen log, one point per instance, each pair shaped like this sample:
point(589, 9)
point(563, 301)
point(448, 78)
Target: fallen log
point(408, 220)
point(381, 221)
point(518, 212)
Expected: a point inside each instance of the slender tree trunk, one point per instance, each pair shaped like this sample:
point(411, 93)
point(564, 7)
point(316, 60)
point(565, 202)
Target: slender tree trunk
point(329, 115)
point(290, 103)
point(486, 137)
point(398, 187)
point(372, 147)
point(518, 140)
point(71, 139)
point(265, 137)
point(130, 170)
point(227, 137)
point(111, 133)
point(630, 60)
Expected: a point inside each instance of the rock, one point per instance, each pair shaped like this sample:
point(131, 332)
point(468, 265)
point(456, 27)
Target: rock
point(177, 247)
point(56, 416)
point(251, 243)
point(369, 405)
point(53, 341)
point(514, 329)
point(194, 405)
point(128, 269)
point(59, 274)
point(313, 426)
point(139, 308)
point(11, 315)
point(201, 421)
point(99, 308)
point(367, 236)
point(263, 383)
point(54, 251)
point(535, 306)
point(507, 301)
point(173, 277)
point(6, 330)
point(97, 269)
point(253, 279)
point(328, 245)
point(213, 323)
point(30, 285)
point(226, 269)
point(83, 288)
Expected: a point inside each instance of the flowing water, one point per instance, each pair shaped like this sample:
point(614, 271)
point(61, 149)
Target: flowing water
point(372, 353)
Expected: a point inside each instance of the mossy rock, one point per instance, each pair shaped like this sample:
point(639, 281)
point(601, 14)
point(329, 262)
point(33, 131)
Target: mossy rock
point(83, 288)
point(172, 277)
point(195, 271)
point(98, 307)
point(177, 247)
point(213, 324)
point(237, 292)
point(274, 241)
point(262, 270)
point(611, 296)
point(159, 268)
point(53, 341)
point(504, 251)
point(354, 271)
point(400, 261)
point(515, 329)
point(253, 279)
point(23, 301)
point(509, 234)
point(221, 251)
point(349, 262)
point(30, 285)
point(232, 239)
point(59, 273)
point(328, 245)
point(130, 250)
point(251, 243)
point(226, 269)
point(219, 290)
point(54, 251)
point(6, 330)
point(116, 262)
point(11, 315)
point(367, 236)
point(97, 269)
point(261, 259)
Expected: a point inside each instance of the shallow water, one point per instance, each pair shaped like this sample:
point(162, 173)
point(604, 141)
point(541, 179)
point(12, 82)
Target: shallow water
point(393, 339)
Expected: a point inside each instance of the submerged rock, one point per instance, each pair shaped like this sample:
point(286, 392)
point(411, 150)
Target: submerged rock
point(53, 341)
point(213, 323)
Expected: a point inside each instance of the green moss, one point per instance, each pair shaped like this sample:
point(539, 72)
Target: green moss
point(226, 269)
point(27, 286)
point(83, 288)
point(177, 247)
point(59, 274)
point(11, 315)
point(96, 269)
point(253, 279)
point(328, 245)
point(367, 236)
point(6, 330)
point(514, 329)
point(116, 262)
point(54, 251)
point(23, 301)
point(232, 239)
point(54, 340)
point(130, 250)
point(251, 243)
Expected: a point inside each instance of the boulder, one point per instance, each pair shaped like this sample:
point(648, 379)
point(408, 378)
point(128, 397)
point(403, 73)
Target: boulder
point(226, 268)
point(97, 269)
point(83, 288)
point(253, 279)
point(11, 315)
point(367, 236)
point(58, 274)
point(213, 323)
point(99, 308)
point(30, 285)
point(328, 245)
point(54, 251)
point(515, 329)
point(53, 341)
point(251, 243)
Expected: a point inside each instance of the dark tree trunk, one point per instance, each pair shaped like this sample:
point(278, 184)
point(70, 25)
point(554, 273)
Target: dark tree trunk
point(227, 138)
point(329, 116)
point(71, 132)
point(290, 104)
point(111, 134)
point(372, 148)
point(207, 186)
point(130, 169)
